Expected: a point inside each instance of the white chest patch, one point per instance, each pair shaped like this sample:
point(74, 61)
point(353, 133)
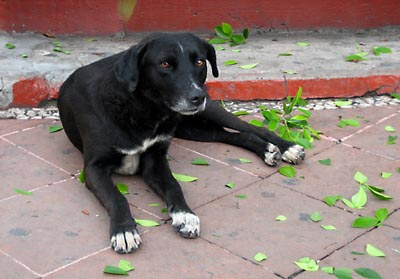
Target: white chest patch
point(130, 162)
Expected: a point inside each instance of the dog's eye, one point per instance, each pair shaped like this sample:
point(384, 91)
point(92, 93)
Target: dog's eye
point(200, 63)
point(165, 65)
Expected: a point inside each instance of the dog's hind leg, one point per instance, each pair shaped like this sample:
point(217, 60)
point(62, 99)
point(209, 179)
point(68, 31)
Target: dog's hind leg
point(123, 233)
point(157, 174)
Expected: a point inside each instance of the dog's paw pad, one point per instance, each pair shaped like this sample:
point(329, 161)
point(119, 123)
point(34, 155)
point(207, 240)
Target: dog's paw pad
point(125, 242)
point(272, 154)
point(294, 154)
point(186, 224)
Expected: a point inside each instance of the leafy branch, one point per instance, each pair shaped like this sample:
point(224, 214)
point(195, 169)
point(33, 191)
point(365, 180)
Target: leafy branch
point(225, 35)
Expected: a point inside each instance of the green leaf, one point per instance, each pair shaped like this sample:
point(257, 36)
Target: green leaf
point(285, 54)
point(342, 273)
point(82, 177)
point(260, 257)
point(280, 218)
point(10, 46)
point(290, 72)
point(360, 177)
point(273, 125)
point(386, 174)
point(307, 264)
point(316, 216)
point(217, 41)
point(288, 171)
point(328, 227)
point(375, 188)
point(357, 57)
point(123, 188)
point(236, 50)
point(219, 48)
point(381, 214)
point(357, 253)
point(125, 265)
point(365, 222)
point(164, 210)
point(249, 66)
point(256, 122)
point(341, 103)
point(305, 112)
point(360, 198)
point(373, 251)
point(395, 95)
point(348, 122)
point(377, 193)
point(200, 161)
point(230, 185)
point(398, 170)
point(227, 29)
point(238, 39)
point(56, 43)
point(348, 203)
point(241, 112)
point(389, 128)
point(331, 200)
point(53, 129)
point(220, 33)
point(23, 192)
point(24, 55)
point(183, 177)
point(114, 270)
point(230, 62)
point(303, 44)
point(245, 33)
point(391, 139)
point(146, 223)
point(245, 161)
point(58, 49)
point(381, 49)
point(154, 204)
point(326, 162)
point(327, 269)
point(241, 196)
point(367, 273)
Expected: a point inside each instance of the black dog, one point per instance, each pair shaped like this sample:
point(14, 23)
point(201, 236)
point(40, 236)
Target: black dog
point(122, 111)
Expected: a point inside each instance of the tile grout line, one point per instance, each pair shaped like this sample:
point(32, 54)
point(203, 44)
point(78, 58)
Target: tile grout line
point(370, 152)
point(216, 160)
point(74, 262)
point(37, 189)
point(20, 263)
point(25, 129)
point(36, 156)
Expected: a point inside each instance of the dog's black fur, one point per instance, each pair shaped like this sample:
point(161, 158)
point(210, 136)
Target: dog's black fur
point(122, 111)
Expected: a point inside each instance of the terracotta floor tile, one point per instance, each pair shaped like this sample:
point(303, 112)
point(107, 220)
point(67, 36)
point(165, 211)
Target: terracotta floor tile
point(209, 186)
point(165, 255)
point(383, 238)
point(50, 224)
point(53, 147)
point(12, 270)
point(247, 226)
point(321, 180)
point(21, 170)
point(327, 120)
point(394, 220)
point(375, 139)
point(13, 125)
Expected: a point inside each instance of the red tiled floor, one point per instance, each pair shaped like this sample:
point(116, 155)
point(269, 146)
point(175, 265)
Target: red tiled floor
point(247, 226)
point(12, 270)
point(13, 125)
point(166, 255)
point(21, 170)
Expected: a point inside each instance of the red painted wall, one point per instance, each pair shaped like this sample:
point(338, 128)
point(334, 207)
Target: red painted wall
point(101, 16)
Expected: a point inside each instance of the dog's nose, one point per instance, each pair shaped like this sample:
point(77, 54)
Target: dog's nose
point(197, 99)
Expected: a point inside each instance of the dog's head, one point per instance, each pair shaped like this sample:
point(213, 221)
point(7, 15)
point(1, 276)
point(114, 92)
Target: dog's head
point(170, 68)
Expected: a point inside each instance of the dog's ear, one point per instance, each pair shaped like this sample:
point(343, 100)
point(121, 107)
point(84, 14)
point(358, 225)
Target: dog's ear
point(211, 56)
point(126, 69)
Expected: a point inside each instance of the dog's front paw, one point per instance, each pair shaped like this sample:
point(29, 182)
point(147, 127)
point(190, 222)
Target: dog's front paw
point(272, 155)
point(124, 242)
point(294, 154)
point(186, 224)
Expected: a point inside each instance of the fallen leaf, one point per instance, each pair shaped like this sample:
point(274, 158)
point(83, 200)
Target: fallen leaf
point(348, 122)
point(245, 161)
point(236, 50)
point(326, 162)
point(328, 227)
point(230, 62)
point(367, 273)
point(240, 196)
point(114, 270)
point(125, 265)
point(342, 273)
point(365, 222)
point(10, 46)
point(241, 112)
point(260, 257)
point(360, 177)
point(303, 44)
point(82, 177)
point(391, 139)
point(331, 200)
point(389, 128)
point(230, 185)
point(86, 212)
point(288, 171)
point(146, 223)
point(183, 177)
point(249, 66)
point(285, 54)
point(316, 216)
point(123, 188)
point(24, 55)
point(23, 192)
point(164, 210)
point(256, 122)
point(378, 50)
point(280, 218)
point(386, 174)
point(341, 103)
point(154, 204)
point(373, 251)
point(200, 162)
point(327, 269)
point(290, 72)
point(307, 264)
point(53, 129)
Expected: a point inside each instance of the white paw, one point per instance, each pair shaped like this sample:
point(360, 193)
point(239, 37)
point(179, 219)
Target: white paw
point(272, 155)
point(187, 224)
point(294, 154)
point(126, 242)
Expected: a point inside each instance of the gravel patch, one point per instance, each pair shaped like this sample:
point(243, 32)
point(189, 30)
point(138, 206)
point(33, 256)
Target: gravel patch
point(51, 111)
